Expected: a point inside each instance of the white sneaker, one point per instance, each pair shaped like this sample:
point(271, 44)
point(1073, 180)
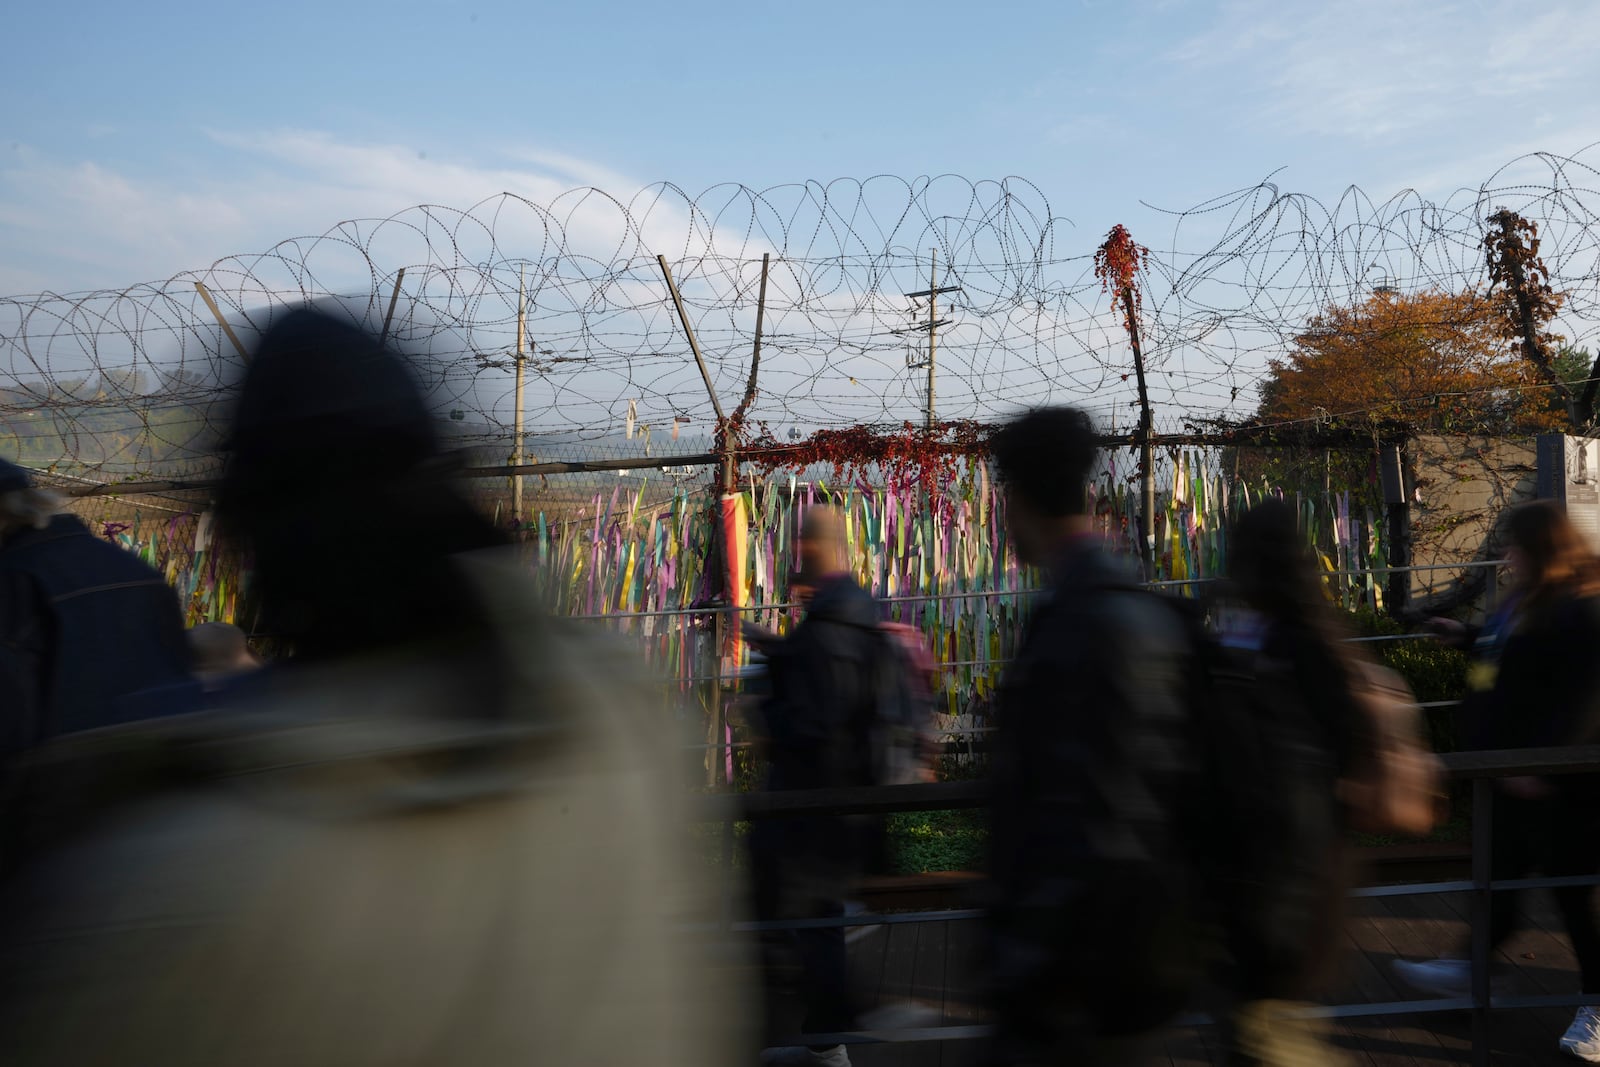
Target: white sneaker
point(1442, 978)
point(1582, 1038)
point(801, 1056)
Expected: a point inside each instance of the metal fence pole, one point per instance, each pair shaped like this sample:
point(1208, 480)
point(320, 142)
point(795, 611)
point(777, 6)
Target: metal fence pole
point(1482, 843)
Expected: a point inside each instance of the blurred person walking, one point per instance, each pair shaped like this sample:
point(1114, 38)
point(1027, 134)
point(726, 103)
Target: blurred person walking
point(1536, 684)
point(823, 696)
point(441, 833)
point(86, 628)
point(83, 623)
point(1284, 861)
point(1093, 938)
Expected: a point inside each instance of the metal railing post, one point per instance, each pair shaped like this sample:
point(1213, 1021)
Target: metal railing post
point(1482, 844)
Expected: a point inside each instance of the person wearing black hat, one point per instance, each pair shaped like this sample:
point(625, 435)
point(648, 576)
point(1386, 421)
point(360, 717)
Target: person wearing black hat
point(83, 623)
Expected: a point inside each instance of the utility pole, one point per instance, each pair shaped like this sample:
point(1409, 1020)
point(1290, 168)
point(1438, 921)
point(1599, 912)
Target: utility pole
point(932, 327)
point(516, 441)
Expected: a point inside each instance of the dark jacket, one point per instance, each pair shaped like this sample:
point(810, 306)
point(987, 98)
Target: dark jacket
point(1321, 680)
point(1291, 912)
point(1546, 687)
point(83, 625)
point(1089, 916)
point(816, 720)
point(822, 691)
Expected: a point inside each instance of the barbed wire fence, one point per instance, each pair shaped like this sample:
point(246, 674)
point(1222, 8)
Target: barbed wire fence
point(120, 385)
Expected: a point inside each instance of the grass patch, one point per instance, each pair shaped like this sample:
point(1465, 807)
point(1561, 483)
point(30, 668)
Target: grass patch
point(924, 841)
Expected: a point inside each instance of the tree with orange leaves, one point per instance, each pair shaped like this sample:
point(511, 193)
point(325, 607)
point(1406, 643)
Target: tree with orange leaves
point(1430, 361)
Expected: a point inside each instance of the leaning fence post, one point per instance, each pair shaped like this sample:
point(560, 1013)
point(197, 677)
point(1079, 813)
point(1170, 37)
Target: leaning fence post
point(1482, 843)
point(216, 313)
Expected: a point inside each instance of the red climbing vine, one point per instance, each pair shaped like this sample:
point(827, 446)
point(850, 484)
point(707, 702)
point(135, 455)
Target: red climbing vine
point(910, 455)
point(1117, 264)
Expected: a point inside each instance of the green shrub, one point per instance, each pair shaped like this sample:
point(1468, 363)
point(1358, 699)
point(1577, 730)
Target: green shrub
point(1433, 671)
point(924, 841)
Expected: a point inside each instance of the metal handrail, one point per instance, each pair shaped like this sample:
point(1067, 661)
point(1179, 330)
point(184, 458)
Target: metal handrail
point(944, 796)
point(980, 594)
point(996, 664)
point(1479, 767)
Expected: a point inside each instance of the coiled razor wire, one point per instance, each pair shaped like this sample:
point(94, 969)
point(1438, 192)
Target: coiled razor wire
point(136, 383)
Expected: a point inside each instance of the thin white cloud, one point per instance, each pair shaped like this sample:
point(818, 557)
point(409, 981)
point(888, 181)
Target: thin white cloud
point(73, 225)
point(91, 226)
point(1377, 71)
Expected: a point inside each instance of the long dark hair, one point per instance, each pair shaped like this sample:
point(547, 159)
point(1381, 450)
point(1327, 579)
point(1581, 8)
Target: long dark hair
point(1272, 570)
point(333, 485)
point(1559, 562)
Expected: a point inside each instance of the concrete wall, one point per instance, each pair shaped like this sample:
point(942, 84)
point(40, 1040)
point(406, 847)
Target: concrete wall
point(1462, 487)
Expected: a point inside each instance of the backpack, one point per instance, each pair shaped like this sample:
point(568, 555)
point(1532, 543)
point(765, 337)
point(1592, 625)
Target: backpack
point(1264, 829)
point(1398, 790)
point(900, 737)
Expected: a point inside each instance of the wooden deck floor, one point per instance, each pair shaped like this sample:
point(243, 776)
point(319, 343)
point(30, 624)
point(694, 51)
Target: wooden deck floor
point(933, 964)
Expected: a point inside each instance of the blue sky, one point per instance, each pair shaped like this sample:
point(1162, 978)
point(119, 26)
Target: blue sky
point(140, 140)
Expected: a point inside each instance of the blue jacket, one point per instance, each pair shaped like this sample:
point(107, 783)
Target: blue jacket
point(83, 626)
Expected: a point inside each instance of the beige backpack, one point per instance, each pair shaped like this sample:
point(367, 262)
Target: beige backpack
point(1400, 790)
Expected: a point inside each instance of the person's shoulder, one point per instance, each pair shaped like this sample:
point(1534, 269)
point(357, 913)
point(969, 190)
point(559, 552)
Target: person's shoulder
point(21, 547)
point(1161, 617)
point(864, 599)
point(844, 587)
point(842, 599)
point(65, 532)
point(65, 538)
point(1132, 617)
point(1088, 563)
